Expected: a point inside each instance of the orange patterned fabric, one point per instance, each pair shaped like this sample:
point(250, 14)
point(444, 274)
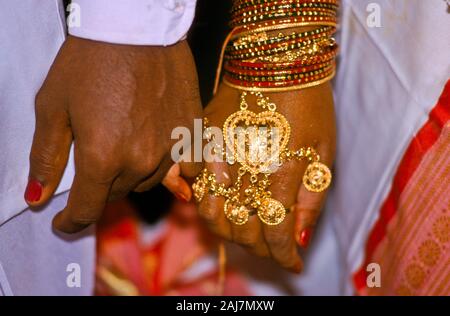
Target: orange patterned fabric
point(414, 256)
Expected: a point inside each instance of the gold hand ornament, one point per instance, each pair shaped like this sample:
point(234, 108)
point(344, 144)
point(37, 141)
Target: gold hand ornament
point(258, 143)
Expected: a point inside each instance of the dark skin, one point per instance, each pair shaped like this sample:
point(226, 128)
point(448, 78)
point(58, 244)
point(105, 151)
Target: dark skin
point(118, 104)
point(310, 113)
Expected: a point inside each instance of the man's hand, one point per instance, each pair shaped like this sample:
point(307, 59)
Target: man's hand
point(118, 104)
point(310, 113)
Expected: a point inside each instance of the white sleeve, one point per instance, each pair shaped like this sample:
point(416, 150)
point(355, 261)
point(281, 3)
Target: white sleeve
point(137, 22)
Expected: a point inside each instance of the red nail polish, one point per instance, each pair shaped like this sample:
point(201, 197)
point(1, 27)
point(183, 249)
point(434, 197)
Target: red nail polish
point(33, 191)
point(181, 197)
point(305, 237)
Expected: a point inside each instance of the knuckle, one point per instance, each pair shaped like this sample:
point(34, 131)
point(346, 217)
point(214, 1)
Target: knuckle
point(278, 239)
point(100, 163)
point(208, 213)
point(144, 166)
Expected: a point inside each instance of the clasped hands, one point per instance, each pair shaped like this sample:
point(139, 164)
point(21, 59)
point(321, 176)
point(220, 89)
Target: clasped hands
point(118, 104)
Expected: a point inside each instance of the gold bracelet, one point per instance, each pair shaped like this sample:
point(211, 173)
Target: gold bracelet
point(281, 89)
point(283, 26)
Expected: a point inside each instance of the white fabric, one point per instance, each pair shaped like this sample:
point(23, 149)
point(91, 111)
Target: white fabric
point(34, 260)
point(31, 34)
point(388, 80)
point(144, 22)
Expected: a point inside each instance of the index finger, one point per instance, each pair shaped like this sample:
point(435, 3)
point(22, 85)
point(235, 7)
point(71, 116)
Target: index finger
point(211, 207)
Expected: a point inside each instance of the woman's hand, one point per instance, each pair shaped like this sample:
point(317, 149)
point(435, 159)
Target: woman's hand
point(310, 114)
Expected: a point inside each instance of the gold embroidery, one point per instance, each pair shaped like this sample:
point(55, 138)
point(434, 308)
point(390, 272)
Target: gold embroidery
point(429, 252)
point(415, 205)
point(423, 183)
point(398, 244)
point(441, 229)
point(443, 285)
point(415, 275)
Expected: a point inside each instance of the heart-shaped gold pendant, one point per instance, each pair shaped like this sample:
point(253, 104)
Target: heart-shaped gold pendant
point(256, 140)
point(258, 143)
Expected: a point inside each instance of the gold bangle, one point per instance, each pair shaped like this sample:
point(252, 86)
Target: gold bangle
point(281, 89)
point(282, 26)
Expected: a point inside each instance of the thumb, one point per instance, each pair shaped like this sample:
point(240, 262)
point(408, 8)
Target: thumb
point(49, 151)
point(175, 179)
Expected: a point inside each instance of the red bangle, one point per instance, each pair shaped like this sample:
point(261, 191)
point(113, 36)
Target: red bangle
point(257, 61)
point(280, 77)
point(270, 85)
point(272, 72)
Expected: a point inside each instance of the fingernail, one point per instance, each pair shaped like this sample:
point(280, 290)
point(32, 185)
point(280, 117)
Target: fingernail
point(297, 268)
point(183, 191)
point(305, 237)
point(33, 191)
point(181, 197)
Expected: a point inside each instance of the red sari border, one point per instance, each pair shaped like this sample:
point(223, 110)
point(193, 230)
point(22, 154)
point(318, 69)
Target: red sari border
point(418, 147)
